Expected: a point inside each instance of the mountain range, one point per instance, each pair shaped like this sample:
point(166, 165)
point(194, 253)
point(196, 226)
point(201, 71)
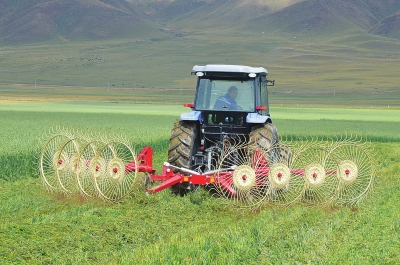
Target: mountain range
point(27, 21)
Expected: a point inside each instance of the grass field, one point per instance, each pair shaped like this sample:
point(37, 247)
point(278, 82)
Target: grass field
point(351, 70)
point(135, 120)
point(178, 96)
point(41, 228)
point(326, 86)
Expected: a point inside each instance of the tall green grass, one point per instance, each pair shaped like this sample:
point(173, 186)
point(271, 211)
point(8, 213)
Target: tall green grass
point(24, 127)
point(41, 228)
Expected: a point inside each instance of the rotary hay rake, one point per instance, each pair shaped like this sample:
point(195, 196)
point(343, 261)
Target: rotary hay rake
point(310, 172)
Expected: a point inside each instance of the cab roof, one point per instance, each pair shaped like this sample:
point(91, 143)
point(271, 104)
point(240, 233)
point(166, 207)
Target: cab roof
point(229, 68)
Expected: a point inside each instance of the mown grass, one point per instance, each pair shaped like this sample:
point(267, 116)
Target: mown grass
point(41, 228)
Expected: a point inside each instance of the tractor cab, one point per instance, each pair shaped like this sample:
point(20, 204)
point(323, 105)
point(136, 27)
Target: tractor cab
point(215, 82)
point(230, 106)
point(229, 99)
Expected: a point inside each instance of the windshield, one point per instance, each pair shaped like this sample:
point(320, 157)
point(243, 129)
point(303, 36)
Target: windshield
point(225, 95)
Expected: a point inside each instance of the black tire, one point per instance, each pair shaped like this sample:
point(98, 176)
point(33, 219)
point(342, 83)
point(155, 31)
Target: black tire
point(266, 138)
point(182, 145)
point(285, 155)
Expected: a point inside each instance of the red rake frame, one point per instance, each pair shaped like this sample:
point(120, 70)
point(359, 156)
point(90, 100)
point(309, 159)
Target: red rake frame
point(168, 178)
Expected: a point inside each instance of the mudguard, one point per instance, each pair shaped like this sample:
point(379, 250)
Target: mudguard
point(256, 118)
point(191, 116)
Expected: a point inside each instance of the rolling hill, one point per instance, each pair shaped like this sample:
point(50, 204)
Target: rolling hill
point(24, 21)
point(318, 17)
point(30, 21)
point(388, 27)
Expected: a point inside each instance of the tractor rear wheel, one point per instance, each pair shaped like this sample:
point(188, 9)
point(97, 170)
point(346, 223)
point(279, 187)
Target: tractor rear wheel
point(285, 155)
point(266, 138)
point(182, 145)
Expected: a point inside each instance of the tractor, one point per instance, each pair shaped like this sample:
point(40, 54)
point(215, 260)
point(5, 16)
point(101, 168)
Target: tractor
point(227, 143)
point(198, 138)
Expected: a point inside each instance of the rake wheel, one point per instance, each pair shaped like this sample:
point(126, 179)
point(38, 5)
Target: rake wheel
point(285, 188)
point(320, 181)
point(242, 177)
point(92, 168)
point(347, 172)
point(314, 176)
point(53, 160)
point(279, 176)
point(114, 181)
point(71, 168)
point(355, 171)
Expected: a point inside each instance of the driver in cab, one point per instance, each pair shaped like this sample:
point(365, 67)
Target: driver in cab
point(227, 101)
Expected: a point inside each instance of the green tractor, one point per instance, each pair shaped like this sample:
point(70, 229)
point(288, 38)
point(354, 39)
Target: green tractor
point(230, 105)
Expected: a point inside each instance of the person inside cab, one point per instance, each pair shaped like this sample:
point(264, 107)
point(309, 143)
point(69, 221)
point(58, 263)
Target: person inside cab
point(227, 101)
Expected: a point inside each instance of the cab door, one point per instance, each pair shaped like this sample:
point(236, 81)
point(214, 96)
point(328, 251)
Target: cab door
point(263, 94)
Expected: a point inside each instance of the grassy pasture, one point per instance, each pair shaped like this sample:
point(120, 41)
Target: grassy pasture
point(178, 96)
point(41, 228)
point(352, 70)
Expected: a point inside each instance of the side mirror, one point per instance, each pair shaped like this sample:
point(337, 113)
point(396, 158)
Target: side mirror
point(271, 81)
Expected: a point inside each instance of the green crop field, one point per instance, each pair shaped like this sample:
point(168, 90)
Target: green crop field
point(37, 227)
